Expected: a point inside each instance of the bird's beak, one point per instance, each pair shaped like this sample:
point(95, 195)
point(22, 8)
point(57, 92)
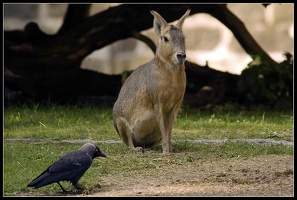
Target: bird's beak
point(102, 155)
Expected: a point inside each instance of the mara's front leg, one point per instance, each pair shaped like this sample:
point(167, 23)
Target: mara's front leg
point(168, 120)
point(165, 125)
point(168, 124)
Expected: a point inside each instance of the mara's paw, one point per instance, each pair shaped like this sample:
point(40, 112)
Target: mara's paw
point(138, 149)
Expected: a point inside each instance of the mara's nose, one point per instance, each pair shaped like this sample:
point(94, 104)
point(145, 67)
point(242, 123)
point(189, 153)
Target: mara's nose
point(180, 58)
point(181, 55)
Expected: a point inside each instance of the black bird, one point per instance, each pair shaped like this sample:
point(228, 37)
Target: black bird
point(71, 167)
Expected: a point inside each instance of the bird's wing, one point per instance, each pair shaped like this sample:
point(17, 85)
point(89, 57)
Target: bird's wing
point(66, 168)
point(74, 162)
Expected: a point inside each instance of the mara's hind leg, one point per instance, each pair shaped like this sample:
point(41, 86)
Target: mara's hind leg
point(126, 133)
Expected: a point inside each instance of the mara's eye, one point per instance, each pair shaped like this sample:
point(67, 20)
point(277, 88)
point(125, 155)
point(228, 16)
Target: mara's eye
point(165, 39)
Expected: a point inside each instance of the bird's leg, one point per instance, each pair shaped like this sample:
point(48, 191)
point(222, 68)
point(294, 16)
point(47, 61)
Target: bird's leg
point(62, 188)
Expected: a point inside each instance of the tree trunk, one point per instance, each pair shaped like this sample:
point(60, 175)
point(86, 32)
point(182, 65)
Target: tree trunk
point(48, 66)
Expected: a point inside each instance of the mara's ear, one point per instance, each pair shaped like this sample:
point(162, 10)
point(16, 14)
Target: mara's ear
point(182, 19)
point(159, 22)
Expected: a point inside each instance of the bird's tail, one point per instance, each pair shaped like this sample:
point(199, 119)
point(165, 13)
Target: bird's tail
point(40, 181)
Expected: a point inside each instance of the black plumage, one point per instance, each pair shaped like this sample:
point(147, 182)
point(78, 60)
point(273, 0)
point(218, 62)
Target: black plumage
point(71, 167)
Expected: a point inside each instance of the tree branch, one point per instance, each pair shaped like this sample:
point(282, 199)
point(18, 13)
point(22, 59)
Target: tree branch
point(115, 24)
point(76, 13)
point(248, 43)
point(146, 40)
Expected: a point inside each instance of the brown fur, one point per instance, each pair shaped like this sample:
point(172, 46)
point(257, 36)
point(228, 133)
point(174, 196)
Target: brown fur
point(151, 96)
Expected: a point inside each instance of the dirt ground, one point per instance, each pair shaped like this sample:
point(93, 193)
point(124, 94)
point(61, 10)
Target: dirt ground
point(270, 175)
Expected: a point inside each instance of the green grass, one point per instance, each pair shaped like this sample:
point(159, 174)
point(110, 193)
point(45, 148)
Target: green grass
point(58, 122)
point(24, 160)
point(234, 125)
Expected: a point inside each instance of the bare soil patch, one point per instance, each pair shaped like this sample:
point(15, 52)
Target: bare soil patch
point(265, 175)
point(270, 175)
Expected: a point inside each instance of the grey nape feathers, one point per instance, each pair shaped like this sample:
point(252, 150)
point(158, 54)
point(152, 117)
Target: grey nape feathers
point(71, 167)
